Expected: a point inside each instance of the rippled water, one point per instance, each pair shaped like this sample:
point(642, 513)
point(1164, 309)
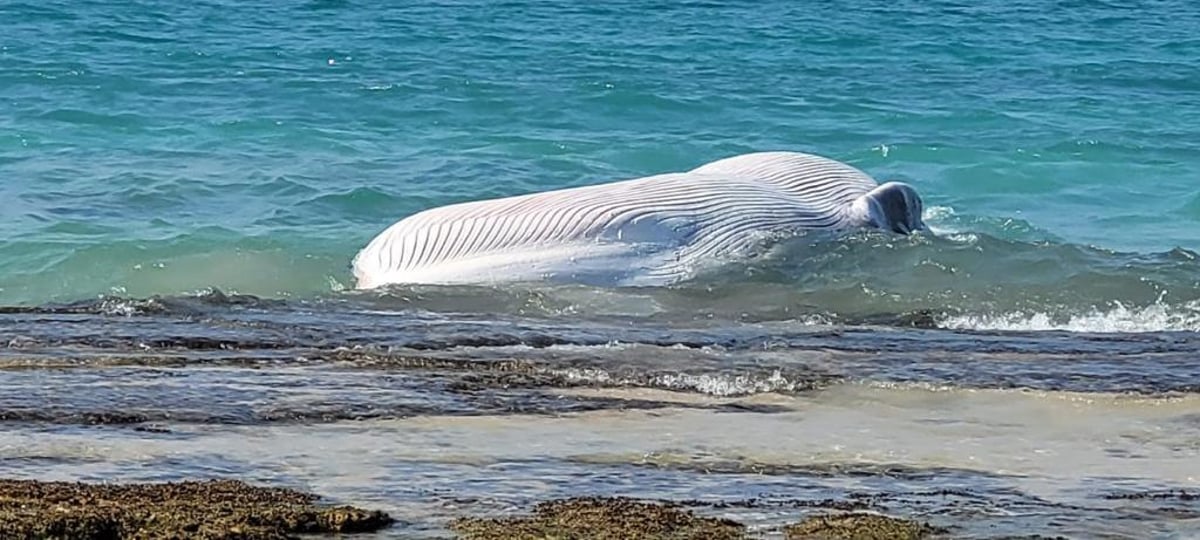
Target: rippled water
point(158, 148)
point(433, 415)
point(1030, 367)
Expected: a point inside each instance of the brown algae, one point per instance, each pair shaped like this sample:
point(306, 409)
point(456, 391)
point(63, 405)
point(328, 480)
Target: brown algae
point(595, 518)
point(860, 526)
point(213, 509)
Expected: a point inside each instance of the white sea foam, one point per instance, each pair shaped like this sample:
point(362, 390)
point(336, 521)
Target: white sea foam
point(939, 219)
point(1157, 317)
point(726, 385)
point(719, 385)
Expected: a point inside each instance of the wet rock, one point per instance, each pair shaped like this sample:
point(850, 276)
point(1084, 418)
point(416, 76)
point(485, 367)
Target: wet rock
point(595, 518)
point(860, 526)
point(71, 417)
point(224, 509)
point(782, 503)
point(152, 428)
point(1179, 495)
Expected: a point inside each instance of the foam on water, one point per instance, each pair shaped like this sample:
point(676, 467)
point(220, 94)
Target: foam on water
point(712, 384)
point(1157, 317)
point(724, 386)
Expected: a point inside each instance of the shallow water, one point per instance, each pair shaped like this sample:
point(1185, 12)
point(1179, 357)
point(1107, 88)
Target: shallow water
point(433, 415)
point(1029, 367)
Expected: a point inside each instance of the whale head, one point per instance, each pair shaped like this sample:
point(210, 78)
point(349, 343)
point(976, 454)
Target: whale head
point(894, 206)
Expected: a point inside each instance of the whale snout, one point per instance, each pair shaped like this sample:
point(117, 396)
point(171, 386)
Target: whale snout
point(896, 207)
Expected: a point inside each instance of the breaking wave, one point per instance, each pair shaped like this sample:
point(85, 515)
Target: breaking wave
point(1158, 317)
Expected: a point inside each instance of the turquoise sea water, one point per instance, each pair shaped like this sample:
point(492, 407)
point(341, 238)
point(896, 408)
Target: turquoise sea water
point(164, 147)
point(1029, 368)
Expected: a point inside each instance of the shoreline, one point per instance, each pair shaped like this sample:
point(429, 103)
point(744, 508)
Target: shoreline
point(236, 509)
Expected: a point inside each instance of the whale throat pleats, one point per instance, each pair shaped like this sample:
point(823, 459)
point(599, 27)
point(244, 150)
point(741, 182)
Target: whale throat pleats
point(660, 226)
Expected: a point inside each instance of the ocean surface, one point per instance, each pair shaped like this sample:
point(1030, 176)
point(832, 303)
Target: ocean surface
point(184, 184)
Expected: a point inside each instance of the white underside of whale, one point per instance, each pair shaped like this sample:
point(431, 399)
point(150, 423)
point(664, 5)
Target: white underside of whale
point(653, 230)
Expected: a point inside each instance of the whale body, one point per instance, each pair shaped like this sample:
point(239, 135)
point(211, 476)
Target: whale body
point(652, 230)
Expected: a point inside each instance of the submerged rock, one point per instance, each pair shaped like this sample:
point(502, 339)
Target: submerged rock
point(860, 526)
point(595, 518)
point(223, 509)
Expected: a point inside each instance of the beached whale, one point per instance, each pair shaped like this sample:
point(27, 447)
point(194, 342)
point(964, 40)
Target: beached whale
point(651, 230)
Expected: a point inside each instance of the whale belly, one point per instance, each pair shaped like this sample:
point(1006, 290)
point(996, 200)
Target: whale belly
point(644, 231)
